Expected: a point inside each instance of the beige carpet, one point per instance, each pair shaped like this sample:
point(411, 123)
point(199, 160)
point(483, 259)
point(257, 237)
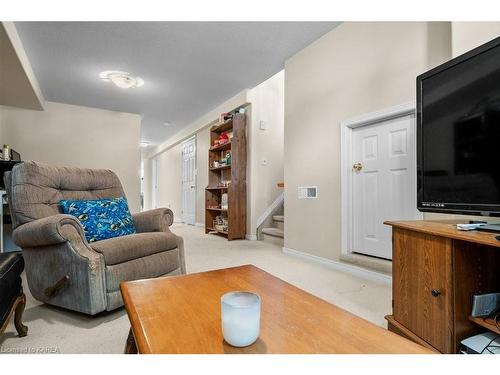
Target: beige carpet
point(56, 330)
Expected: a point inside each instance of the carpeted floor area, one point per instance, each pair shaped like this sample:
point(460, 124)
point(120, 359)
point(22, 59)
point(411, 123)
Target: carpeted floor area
point(57, 330)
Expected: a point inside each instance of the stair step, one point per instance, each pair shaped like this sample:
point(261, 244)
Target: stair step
point(280, 218)
point(279, 225)
point(275, 232)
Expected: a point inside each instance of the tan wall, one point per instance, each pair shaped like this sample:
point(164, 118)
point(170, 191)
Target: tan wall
point(80, 137)
point(468, 35)
point(200, 129)
point(146, 186)
point(170, 177)
point(267, 104)
point(169, 165)
point(357, 68)
point(18, 84)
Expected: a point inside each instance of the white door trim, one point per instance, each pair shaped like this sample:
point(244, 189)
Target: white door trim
point(154, 187)
point(346, 128)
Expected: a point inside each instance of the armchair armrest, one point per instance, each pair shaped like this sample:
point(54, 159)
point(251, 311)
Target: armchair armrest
point(51, 230)
point(156, 220)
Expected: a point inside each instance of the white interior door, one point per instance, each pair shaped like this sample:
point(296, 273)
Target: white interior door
point(189, 181)
point(383, 182)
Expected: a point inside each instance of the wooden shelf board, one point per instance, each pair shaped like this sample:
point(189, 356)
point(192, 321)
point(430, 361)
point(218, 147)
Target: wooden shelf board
point(218, 231)
point(221, 168)
point(216, 188)
point(217, 209)
point(225, 146)
point(488, 323)
point(222, 127)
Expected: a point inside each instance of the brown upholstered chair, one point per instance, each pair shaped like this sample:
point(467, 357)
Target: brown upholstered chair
point(62, 268)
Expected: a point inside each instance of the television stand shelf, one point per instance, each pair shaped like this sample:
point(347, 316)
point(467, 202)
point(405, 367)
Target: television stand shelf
point(435, 270)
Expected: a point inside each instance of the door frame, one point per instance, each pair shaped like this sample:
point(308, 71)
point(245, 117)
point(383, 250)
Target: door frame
point(190, 139)
point(154, 185)
point(346, 129)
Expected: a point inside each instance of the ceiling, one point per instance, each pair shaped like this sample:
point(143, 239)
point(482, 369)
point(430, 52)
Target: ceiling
point(188, 67)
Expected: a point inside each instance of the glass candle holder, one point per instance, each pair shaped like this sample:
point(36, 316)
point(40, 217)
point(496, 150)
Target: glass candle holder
point(240, 313)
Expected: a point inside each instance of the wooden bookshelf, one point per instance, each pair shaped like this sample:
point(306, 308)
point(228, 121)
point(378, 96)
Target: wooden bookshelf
point(234, 174)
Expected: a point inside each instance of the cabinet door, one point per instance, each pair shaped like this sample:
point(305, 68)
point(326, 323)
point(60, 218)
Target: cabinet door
point(422, 291)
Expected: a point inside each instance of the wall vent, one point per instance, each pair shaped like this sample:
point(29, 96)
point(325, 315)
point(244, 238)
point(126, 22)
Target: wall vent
point(308, 192)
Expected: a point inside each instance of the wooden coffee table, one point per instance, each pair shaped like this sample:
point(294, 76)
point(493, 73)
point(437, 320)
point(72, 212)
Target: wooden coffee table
point(181, 314)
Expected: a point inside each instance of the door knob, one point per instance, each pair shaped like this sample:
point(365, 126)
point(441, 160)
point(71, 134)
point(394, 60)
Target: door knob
point(435, 292)
point(357, 167)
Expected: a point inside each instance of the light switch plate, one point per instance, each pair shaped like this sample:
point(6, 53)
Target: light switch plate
point(263, 125)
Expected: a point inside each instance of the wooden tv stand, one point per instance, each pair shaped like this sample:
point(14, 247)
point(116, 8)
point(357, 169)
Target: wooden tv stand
point(435, 270)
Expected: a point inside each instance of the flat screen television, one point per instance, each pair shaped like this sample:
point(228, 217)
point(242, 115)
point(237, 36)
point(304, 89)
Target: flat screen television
point(458, 134)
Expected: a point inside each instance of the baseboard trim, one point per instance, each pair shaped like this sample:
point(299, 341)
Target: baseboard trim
point(343, 267)
point(251, 237)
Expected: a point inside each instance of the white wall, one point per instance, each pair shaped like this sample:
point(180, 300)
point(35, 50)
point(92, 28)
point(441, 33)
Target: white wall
point(77, 136)
point(357, 68)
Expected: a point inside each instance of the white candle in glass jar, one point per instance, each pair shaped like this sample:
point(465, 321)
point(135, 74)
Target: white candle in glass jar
point(240, 312)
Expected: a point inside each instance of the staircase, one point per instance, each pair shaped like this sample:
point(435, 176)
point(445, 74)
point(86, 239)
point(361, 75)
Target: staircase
point(275, 234)
point(272, 229)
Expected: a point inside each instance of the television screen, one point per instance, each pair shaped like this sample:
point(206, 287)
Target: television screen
point(459, 133)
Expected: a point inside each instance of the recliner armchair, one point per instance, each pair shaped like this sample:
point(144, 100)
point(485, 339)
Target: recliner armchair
point(62, 268)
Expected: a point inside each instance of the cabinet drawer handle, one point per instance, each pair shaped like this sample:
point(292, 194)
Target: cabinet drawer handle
point(435, 292)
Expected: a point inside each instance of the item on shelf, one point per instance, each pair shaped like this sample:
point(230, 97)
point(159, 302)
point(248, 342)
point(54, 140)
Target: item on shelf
point(225, 116)
point(6, 152)
point(14, 155)
point(225, 183)
point(228, 158)
point(222, 140)
point(212, 206)
point(224, 201)
point(219, 224)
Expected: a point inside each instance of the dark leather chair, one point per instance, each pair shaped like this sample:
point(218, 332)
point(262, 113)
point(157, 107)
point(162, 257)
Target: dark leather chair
point(12, 298)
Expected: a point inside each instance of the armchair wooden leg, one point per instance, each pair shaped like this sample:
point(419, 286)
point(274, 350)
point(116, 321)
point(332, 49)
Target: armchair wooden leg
point(21, 329)
point(130, 346)
point(54, 290)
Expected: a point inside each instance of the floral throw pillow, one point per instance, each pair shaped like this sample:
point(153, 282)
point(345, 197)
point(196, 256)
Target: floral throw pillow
point(101, 218)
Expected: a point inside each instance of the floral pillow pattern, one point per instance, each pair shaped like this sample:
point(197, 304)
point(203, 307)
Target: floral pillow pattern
point(101, 218)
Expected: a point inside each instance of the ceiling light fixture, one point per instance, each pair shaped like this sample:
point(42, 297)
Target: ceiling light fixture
point(121, 79)
point(144, 143)
point(167, 123)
